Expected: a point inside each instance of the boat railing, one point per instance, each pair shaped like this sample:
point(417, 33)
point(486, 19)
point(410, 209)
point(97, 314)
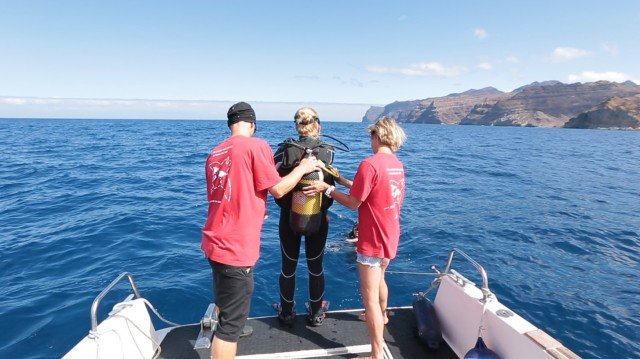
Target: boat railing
point(96, 302)
point(486, 293)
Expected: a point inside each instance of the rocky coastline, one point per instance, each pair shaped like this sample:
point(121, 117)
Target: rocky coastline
point(601, 104)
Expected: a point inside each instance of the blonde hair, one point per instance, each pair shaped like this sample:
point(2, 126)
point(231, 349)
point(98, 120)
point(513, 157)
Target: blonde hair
point(388, 132)
point(305, 119)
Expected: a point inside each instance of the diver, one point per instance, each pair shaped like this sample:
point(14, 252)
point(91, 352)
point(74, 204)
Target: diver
point(302, 215)
point(352, 237)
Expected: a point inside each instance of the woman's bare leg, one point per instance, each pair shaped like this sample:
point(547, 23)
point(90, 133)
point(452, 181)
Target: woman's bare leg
point(370, 278)
point(384, 291)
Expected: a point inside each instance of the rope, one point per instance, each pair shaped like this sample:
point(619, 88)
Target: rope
point(412, 273)
point(158, 314)
point(433, 286)
point(95, 335)
point(157, 349)
point(480, 326)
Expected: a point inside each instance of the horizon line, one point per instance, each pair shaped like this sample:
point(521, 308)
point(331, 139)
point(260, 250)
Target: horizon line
point(148, 119)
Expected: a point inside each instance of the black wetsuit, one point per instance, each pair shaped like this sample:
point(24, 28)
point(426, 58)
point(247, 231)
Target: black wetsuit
point(289, 156)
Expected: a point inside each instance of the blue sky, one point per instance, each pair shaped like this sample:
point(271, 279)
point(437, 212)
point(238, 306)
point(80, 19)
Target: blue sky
point(54, 54)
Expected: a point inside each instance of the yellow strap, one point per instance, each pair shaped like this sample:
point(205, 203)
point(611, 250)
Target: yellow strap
point(329, 169)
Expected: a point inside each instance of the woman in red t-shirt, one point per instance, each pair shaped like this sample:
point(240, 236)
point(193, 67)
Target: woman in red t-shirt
point(377, 191)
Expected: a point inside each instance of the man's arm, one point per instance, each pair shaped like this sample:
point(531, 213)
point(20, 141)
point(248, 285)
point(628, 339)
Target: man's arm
point(288, 182)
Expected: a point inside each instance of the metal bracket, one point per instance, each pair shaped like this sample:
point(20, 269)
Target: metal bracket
point(504, 313)
point(208, 325)
point(486, 293)
point(96, 302)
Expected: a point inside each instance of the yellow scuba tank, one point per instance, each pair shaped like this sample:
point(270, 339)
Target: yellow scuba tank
point(306, 211)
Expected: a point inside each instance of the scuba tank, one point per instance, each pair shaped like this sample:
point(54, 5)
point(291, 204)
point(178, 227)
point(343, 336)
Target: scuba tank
point(306, 211)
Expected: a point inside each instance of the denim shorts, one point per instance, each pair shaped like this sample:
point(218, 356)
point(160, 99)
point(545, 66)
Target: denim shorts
point(369, 261)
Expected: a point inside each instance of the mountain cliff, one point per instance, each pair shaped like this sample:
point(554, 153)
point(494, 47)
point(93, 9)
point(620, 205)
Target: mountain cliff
point(373, 113)
point(616, 112)
point(448, 109)
point(550, 105)
point(539, 104)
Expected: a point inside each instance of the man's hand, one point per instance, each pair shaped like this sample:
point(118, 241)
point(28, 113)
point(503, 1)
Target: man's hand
point(288, 182)
point(309, 164)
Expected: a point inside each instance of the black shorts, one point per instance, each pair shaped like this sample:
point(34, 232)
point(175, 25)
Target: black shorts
point(232, 288)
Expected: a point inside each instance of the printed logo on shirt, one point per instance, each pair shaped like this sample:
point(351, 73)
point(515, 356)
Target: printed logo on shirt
point(397, 191)
point(220, 186)
point(395, 172)
point(396, 188)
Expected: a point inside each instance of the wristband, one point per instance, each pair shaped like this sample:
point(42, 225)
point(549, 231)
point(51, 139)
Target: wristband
point(329, 190)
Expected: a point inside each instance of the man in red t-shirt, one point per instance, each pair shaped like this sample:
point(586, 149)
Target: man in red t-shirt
point(377, 191)
point(239, 172)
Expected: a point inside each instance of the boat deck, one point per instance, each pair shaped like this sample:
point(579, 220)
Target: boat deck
point(342, 335)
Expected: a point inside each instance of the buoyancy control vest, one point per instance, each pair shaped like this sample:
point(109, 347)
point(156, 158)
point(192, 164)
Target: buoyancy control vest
point(305, 212)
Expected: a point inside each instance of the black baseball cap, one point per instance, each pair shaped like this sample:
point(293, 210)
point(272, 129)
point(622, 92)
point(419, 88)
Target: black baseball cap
point(241, 111)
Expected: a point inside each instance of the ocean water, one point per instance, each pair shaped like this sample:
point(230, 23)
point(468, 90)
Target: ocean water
point(552, 215)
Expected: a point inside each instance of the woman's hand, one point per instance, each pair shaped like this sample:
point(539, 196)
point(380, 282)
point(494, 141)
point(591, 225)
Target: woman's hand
point(317, 187)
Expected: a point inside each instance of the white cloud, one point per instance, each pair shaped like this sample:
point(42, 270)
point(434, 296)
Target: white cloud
point(611, 49)
point(480, 33)
point(47, 107)
point(13, 101)
point(591, 76)
point(485, 66)
point(512, 59)
point(568, 53)
point(20, 101)
point(421, 69)
point(403, 18)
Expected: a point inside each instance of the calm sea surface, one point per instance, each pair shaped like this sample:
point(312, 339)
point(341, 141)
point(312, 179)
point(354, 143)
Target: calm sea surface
point(553, 215)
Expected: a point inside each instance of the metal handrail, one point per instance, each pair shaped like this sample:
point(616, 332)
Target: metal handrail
point(96, 302)
point(483, 273)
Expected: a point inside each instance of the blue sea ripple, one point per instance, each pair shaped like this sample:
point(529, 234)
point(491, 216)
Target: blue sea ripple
point(551, 214)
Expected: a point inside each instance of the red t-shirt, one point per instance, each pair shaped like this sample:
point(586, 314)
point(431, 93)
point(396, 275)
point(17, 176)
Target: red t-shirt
point(239, 172)
point(379, 184)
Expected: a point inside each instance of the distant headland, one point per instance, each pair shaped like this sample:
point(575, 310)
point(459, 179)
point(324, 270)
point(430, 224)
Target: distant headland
point(601, 104)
